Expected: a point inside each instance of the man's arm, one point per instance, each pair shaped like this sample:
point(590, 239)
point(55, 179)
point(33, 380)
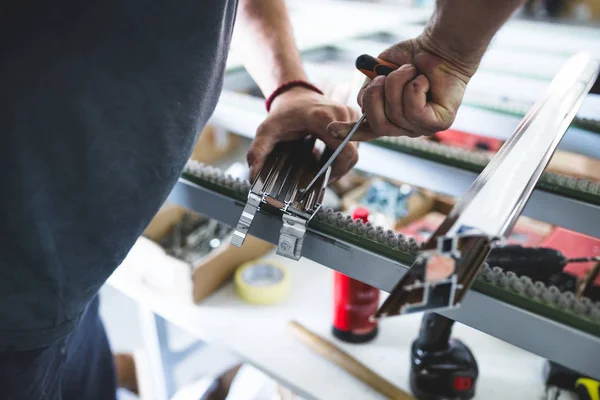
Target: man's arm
point(423, 96)
point(461, 30)
point(270, 55)
point(269, 50)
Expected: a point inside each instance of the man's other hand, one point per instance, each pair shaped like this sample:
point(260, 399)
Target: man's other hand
point(295, 114)
point(420, 98)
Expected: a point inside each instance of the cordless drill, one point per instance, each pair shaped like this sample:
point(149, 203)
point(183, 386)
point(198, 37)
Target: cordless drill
point(440, 367)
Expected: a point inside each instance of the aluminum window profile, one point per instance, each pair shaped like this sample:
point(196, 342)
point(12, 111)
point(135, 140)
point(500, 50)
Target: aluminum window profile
point(440, 277)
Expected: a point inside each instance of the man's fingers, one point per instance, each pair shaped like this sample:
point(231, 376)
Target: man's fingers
point(361, 92)
point(256, 158)
point(339, 127)
point(339, 130)
point(344, 162)
point(261, 147)
point(312, 121)
point(374, 107)
point(394, 89)
point(415, 97)
point(364, 133)
point(353, 114)
point(318, 118)
point(425, 116)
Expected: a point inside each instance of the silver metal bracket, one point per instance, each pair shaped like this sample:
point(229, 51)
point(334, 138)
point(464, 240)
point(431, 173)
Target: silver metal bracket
point(240, 232)
point(291, 237)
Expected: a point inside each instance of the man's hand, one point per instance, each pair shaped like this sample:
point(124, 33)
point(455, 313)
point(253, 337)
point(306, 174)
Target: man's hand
point(420, 98)
point(271, 57)
point(423, 95)
point(295, 114)
point(417, 100)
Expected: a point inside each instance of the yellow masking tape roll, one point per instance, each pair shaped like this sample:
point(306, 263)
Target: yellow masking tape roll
point(262, 282)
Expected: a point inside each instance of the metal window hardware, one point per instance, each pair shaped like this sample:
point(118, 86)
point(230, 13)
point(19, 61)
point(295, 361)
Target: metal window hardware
point(291, 236)
point(452, 257)
point(252, 205)
point(287, 169)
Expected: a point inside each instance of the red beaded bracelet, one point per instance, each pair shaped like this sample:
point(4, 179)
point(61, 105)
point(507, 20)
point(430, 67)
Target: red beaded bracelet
point(287, 86)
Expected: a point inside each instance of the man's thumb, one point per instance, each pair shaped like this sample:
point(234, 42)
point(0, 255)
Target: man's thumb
point(339, 130)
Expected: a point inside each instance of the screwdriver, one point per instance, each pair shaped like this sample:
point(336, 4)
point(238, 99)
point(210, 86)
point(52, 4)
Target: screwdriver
point(371, 67)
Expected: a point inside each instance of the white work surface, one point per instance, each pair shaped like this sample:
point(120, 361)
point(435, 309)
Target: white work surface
point(258, 333)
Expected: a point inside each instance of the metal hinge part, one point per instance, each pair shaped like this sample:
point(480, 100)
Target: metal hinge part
point(291, 237)
point(241, 230)
point(277, 187)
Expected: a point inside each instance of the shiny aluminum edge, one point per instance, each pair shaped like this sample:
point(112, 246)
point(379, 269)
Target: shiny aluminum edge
point(496, 198)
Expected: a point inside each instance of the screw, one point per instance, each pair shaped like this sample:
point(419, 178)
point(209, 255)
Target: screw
point(285, 246)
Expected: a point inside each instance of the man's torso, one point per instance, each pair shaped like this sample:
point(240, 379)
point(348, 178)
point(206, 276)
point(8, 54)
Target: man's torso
point(100, 104)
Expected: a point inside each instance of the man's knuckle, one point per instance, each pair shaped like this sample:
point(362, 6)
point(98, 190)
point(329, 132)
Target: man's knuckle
point(321, 113)
point(263, 129)
point(251, 156)
point(414, 116)
point(394, 114)
point(417, 133)
point(375, 125)
point(351, 113)
point(388, 129)
point(354, 159)
point(439, 125)
point(369, 97)
point(360, 97)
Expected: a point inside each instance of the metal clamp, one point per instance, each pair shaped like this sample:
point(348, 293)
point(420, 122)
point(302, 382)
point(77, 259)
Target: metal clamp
point(291, 237)
point(241, 230)
point(277, 187)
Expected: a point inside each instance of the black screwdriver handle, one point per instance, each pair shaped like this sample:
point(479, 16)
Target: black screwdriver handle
point(373, 67)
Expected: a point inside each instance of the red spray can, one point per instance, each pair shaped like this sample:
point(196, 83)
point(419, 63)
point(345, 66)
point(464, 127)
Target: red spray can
point(354, 303)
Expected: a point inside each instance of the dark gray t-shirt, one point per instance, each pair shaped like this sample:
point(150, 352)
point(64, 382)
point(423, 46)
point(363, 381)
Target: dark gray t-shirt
point(100, 105)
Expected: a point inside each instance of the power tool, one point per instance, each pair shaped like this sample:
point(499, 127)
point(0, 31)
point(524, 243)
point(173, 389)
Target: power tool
point(445, 368)
point(546, 265)
point(441, 367)
point(559, 378)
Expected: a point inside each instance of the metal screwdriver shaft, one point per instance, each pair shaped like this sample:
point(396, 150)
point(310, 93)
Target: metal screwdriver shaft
point(334, 155)
point(371, 67)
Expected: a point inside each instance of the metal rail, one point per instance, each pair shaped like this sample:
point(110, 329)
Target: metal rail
point(543, 336)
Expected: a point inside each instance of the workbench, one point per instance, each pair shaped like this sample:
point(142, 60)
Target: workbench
point(257, 333)
point(535, 52)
